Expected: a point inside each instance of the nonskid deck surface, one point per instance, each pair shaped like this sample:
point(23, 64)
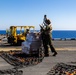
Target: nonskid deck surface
point(49, 65)
point(66, 53)
point(19, 59)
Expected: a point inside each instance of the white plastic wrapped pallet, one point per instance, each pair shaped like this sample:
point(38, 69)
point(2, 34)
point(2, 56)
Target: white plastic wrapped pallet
point(26, 44)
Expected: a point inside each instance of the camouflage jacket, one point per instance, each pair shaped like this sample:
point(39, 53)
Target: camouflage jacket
point(48, 29)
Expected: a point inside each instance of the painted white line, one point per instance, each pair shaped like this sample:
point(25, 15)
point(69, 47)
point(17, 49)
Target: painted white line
point(68, 48)
point(64, 48)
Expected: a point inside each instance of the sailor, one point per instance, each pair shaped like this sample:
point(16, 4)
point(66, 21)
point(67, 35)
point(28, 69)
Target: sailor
point(47, 38)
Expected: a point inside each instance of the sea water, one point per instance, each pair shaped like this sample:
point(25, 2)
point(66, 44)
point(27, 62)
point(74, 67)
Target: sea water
point(55, 33)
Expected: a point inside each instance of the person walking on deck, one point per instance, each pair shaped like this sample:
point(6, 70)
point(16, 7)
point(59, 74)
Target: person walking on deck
point(46, 34)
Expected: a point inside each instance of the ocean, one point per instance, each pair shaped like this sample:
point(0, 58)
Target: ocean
point(56, 33)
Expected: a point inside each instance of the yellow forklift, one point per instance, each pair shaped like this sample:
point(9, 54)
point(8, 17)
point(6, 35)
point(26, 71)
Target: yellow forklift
point(17, 34)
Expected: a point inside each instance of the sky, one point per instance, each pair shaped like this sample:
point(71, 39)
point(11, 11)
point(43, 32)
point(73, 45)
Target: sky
point(62, 13)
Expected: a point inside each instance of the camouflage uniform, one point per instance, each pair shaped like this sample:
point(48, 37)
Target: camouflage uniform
point(47, 40)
